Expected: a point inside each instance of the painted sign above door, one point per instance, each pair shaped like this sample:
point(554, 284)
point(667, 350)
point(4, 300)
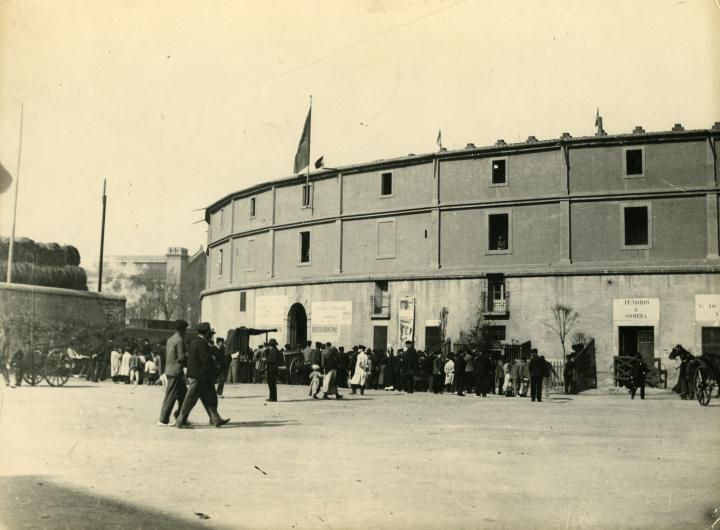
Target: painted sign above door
point(636, 309)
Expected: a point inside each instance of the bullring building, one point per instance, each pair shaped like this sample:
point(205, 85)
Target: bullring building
point(623, 228)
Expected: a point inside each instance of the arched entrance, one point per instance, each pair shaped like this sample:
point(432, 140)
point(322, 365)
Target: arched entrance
point(297, 326)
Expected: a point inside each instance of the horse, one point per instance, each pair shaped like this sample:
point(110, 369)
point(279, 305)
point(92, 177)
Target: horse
point(704, 370)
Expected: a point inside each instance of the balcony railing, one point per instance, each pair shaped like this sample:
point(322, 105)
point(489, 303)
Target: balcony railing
point(380, 305)
point(496, 303)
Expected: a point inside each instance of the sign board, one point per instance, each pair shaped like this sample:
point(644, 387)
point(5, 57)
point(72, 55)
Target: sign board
point(271, 311)
point(326, 319)
point(331, 312)
point(707, 307)
point(406, 320)
point(641, 310)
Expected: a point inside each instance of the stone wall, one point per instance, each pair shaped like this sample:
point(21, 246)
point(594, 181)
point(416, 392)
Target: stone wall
point(43, 313)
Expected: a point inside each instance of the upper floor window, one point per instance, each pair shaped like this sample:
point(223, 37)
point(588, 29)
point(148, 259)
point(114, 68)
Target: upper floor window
point(252, 207)
point(220, 262)
point(637, 227)
point(306, 196)
point(304, 247)
point(499, 172)
point(243, 301)
point(386, 185)
point(498, 232)
point(634, 162)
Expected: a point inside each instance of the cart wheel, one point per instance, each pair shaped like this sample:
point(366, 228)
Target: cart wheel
point(33, 369)
point(295, 372)
point(57, 368)
point(703, 388)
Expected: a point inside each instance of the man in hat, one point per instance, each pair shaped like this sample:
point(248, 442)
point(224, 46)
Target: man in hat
point(409, 362)
point(175, 389)
point(537, 373)
point(273, 358)
point(330, 362)
point(201, 378)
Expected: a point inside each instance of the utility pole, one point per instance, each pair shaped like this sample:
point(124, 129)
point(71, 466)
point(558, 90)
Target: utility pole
point(102, 237)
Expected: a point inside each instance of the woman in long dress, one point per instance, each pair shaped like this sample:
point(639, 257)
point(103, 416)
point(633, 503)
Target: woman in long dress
point(125, 365)
point(115, 361)
point(362, 368)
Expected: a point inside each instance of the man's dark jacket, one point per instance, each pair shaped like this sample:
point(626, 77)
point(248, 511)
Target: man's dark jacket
point(199, 361)
point(409, 360)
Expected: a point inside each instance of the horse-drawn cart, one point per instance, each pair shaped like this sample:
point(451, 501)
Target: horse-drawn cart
point(55, 366)
point(704, 371)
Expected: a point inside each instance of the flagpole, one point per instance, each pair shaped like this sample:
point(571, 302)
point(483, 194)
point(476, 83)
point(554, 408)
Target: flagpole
point(307, 177)
point(102, 237)
point(17, 186)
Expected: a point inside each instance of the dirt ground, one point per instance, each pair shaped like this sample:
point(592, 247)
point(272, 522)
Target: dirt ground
point(90, 456)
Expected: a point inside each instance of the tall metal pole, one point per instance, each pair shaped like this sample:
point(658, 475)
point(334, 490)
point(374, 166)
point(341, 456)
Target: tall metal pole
point(307, 177)
point(102, 237)
point(17, 186)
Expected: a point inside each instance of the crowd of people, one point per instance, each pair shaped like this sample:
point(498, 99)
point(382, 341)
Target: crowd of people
point(187, 368)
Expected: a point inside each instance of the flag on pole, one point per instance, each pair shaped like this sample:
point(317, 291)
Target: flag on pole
point(439, 139)
point(302, 157)
point(320, 162)
point(5, 179)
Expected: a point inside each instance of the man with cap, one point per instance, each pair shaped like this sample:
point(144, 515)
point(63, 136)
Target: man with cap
point(273, 358)
point(409, 362)
point(201, 378)
point(175, 389)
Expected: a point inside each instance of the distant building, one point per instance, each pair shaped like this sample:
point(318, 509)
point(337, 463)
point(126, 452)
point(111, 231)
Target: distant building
point(623, 228)
point(156, 287)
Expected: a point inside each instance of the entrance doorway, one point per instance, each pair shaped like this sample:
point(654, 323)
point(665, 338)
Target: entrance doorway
point(297, 327)
point(638, 339)
point(432, 339)
point(711, 340)
point(380, 338)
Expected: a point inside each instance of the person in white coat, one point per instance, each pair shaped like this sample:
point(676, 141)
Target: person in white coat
point(115, 362)
point(362, 369)
point(125, 365)
point(449, 374)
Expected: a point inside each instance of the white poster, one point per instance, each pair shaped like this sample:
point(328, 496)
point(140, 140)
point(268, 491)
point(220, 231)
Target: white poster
point(271, 311)
point(326, 319)
point(707, 308)
point(641, 310)
point(406, 320)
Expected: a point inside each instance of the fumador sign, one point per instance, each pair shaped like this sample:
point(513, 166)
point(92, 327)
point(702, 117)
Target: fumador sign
point(636, 309)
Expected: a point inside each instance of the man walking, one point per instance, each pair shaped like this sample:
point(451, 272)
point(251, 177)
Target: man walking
point(273, 358)
point(175, 389)
point(537, 372)
point(201, 381)
point(638, 372)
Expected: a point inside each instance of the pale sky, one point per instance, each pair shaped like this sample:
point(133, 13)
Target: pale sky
point(177, 103)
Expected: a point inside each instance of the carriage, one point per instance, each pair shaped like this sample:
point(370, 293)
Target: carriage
point(704, 371)
point(55, 366)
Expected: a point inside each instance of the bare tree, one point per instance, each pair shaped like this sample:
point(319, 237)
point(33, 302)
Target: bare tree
point(564, 320)
point(161, 299)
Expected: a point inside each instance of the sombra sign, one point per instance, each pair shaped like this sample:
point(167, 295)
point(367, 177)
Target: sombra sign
point(641, 310)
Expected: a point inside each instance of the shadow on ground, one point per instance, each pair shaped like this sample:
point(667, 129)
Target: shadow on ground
point(259, 423)
point(35, 502)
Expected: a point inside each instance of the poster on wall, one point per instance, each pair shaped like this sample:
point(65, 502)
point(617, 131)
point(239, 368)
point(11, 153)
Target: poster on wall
point(327, 317)
point(270, 311)
point(406, 320)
